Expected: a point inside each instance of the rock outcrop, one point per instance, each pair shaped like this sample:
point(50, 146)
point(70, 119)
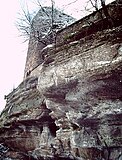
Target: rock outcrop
point(69, 106)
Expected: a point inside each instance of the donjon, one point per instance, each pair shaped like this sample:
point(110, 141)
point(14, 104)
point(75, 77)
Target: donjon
point(43, 34)
point(69, 103)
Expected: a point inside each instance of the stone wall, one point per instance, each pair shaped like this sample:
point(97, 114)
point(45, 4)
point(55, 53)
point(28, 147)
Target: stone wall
point(90, 24)
point(85, 27)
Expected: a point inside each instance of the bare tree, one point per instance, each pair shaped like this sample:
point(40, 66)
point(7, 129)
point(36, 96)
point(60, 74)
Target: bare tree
point(92, 5)
point(25, 23)
point(45, 31)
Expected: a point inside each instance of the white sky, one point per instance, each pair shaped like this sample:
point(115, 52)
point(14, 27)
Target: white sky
point(12, 49)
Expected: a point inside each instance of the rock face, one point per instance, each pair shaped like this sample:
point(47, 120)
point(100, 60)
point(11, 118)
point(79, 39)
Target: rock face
point(69, 107)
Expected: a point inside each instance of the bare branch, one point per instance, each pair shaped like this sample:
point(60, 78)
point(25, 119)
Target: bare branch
point(45, 32)
point(39, 4)
point(70, 3)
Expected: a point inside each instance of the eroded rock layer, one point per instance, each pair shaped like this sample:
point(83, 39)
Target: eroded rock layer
point(69, 107)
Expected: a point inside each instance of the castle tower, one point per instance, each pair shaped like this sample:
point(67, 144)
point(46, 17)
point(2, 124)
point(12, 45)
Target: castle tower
point(44, 27)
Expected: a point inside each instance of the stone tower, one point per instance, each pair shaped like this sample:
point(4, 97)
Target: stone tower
point(43, 33)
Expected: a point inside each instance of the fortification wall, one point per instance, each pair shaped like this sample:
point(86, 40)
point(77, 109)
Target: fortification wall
point(81, 29)
point(97, 21)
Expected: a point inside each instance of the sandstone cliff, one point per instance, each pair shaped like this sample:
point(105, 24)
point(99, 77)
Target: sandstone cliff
point(69, 106)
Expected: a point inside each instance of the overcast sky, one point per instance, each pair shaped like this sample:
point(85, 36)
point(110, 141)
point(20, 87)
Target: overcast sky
point(12, 49)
